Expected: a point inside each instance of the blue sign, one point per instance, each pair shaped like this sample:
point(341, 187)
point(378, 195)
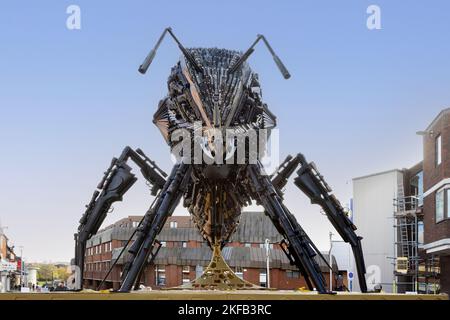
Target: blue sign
point(350, 275)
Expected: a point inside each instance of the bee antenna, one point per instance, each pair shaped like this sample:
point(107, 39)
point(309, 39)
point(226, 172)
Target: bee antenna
point(148, 60)
point(250, 50)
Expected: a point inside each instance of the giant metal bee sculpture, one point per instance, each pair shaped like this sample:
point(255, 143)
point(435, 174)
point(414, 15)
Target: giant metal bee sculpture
point(216, 88)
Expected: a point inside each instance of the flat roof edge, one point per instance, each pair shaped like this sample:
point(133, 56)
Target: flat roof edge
point(376, 174)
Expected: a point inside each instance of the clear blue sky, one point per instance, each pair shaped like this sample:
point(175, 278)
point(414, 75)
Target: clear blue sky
point(71, 100)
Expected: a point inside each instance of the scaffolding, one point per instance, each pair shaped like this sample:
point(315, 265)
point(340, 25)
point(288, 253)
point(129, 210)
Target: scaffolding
point(428, 278)
point(413, 269)
point(407, 214)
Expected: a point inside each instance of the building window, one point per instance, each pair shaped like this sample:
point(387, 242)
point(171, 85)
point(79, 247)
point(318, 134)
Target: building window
point(417, 188)
point(438, 146)
point(263, 245)
point(263, 278)
point(173, 224)
point(239, 272)
point(420, 232)
point(443, 204)
point(292, 274)
point(247, 245)
point(135, 224)
point(163, 244)
point(204, 244)
point(440, 205)
point(447, 203)
point(185, 274)
point(160, 275)
point(110, 246)
point(99, 248)
point(186, 278)
point(184, 244)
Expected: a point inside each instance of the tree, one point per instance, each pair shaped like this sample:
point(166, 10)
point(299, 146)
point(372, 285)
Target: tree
point(45, 272)
point(61, 273)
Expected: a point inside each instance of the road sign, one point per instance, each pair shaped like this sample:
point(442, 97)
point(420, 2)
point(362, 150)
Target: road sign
point(350, 281)
point(8, 266)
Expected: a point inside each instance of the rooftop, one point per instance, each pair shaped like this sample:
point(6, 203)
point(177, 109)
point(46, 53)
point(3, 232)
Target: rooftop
point(436, 119)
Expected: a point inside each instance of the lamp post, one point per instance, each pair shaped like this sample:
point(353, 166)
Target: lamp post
point(21, 266)
point(267, 243)
point(331, 262)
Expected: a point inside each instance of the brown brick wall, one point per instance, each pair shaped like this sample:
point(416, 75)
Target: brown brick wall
point(445, 274)
point(182, 221)
point(174, 278)
point(434, 174)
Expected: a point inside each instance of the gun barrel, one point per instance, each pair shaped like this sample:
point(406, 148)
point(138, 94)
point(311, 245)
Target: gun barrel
point(281, 67)
point(151, 162)
point(148, 60)
point(106, 174)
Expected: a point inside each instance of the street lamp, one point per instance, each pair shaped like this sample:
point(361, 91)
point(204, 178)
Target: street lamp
point(331, 261)
point(21, 266)
point(267, 243)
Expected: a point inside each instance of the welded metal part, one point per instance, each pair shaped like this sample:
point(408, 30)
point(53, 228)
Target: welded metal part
point(219, 276)
point(299, 246)
point(215, 89)
point(312, 183)
point(116, 181)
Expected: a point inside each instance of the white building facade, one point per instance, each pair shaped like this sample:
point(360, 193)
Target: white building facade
point(373, 200)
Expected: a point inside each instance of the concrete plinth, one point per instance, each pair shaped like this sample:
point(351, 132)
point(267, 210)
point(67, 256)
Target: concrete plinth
point(216, 295)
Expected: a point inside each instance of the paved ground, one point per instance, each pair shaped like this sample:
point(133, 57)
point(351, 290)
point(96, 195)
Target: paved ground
point(214, 295)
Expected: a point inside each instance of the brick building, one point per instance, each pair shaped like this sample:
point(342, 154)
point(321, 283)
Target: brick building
point(436, 196)
point(9, 264)
point(184, 254)
point(420, 243)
